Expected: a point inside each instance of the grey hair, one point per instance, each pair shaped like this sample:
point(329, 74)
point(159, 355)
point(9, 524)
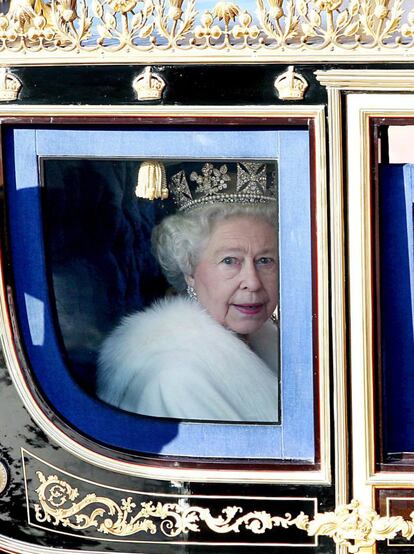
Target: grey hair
point(179, 239)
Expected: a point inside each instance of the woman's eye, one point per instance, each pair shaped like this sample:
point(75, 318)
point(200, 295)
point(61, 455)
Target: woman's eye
point(264, 260)
point(229, 260)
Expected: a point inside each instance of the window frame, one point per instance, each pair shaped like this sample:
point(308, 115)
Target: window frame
point(264, 470)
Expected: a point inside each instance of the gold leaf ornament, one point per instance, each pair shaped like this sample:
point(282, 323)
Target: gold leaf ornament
point(315, 19)
point(308, 30)
point(175, 11)
point(303, 8)
point(122, 6)
point(103, 32)
point(226, 11)
point(342, 19)
point(327, 5)
point(97, 8)
point(110, 20)
point(407, 30)
point(207, 30)
point(147, 30)
point(137, 20)
point(148, 8)
point(207, 19)
point(244, 30)
point(381, 10)
point(351, 29)
point(276, 10)
point(39, 21)
point(21, 13)
point(353, 8)
point(66, 9)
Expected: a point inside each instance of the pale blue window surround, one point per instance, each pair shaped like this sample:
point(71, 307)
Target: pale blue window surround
point(294, 438)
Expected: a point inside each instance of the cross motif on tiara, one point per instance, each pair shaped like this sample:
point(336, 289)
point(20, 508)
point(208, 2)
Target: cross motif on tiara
point(251, 178)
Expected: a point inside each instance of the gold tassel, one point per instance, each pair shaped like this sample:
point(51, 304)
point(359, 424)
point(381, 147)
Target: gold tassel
point(152, 181)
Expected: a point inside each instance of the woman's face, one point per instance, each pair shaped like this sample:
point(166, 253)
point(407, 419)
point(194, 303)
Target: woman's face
point(236, 277)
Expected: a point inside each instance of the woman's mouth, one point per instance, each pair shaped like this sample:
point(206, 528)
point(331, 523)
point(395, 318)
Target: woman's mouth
point(249, 309)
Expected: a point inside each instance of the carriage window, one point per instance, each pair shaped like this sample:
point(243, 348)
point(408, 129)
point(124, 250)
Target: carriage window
point(396, 292)
point(172, 361)
point(170, 285)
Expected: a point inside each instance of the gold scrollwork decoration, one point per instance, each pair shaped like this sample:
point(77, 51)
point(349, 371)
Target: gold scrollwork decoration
point(58, 505)
point(353, 526)
point(276, 27)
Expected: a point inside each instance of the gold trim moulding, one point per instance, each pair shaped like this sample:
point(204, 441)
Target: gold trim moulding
point(179, 31)
point(116, 110)
point(368, 80)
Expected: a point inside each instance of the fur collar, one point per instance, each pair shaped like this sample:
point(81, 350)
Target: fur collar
point(155, 360)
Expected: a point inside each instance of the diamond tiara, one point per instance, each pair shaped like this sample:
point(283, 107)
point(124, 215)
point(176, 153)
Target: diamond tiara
point(244, 182)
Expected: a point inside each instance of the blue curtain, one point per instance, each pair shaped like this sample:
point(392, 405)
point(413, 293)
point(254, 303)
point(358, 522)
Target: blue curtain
point(96, 236)
point(396, 285)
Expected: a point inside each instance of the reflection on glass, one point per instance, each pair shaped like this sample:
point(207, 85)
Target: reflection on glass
point(35, 309)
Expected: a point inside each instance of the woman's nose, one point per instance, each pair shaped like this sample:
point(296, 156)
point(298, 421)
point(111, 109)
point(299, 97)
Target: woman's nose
point(250, 277)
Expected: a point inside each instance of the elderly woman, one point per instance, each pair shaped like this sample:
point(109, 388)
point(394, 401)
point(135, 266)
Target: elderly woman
point(211, 352)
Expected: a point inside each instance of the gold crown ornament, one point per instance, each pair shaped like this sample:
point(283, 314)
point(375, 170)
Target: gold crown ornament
point(148, 85)
point(9, 85)
point(242, 182)
point(291, 85)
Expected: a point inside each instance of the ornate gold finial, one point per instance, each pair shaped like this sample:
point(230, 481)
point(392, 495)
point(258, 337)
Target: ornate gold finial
point(291, 85)
point(148, 85)
point(152, 181)
point(9, 85)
